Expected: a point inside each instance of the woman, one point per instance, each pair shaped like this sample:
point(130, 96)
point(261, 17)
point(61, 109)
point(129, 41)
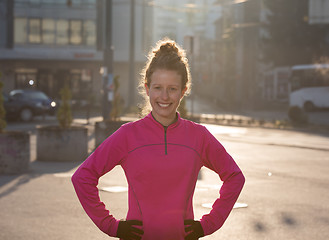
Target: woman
point(161, 155)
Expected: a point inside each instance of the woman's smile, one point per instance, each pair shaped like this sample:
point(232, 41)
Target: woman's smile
point(164, 105)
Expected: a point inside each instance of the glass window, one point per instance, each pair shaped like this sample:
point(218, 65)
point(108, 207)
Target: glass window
point(20, 30)
point(76, 32)
point(89, 32)
point(36, 95)
point(48, 2)
point(34, 30)
point(57, 3)
point(48, 31)
point(76, 3)
point(23, 79)
point(35, 2)
point(84, 3)
point(58, 32)
point(75, 84)
point(60, 3)
point(17, 96)
point(89, 3)
point(62, 36)
point(20, 3)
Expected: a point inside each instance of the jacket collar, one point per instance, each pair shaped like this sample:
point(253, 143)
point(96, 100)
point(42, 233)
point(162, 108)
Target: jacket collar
point(173, 125)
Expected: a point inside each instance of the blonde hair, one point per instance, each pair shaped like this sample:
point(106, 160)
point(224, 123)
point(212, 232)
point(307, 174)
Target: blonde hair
point(168, 55)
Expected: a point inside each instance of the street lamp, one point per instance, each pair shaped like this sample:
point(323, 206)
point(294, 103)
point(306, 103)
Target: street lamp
point(131, 94)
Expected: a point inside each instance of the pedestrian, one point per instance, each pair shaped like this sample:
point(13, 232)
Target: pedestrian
point(161, 155)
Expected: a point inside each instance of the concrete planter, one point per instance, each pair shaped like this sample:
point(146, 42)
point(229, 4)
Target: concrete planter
point(14, 152)
point(57, 144)
point(297, 115)
point(104, 129)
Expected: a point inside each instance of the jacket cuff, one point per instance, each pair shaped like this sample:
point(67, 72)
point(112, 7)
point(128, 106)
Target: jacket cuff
point(112, 232)
point(208, 227)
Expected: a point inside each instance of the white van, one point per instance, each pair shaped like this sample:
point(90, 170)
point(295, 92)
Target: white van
point(310, 98)
point(309, 86)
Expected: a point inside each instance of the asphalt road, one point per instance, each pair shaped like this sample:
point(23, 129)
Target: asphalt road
point(285, 196)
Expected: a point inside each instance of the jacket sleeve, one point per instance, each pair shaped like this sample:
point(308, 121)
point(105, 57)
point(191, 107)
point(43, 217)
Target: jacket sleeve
point(215, 157)
point(85, 180)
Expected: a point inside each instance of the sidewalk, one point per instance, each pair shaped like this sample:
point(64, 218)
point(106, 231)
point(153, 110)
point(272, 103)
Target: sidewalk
point(272, 136)
point(236, 126)
point(226, 125)
point(238, 129)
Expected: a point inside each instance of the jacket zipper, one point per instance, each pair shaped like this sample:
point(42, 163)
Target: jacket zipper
point(165, 138)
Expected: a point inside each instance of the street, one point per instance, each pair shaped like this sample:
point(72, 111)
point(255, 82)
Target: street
point(285, 195)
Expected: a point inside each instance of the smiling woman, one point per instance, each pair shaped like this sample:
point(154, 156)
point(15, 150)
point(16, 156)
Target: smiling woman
point(161, 155)
point(166, 58)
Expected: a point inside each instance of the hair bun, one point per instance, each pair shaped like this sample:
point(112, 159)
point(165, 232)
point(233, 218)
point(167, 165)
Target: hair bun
point(168, 48)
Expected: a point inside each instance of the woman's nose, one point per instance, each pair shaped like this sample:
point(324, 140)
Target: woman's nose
point(164, 94)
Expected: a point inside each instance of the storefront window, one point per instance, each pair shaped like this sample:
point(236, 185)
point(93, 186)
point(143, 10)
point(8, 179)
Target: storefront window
point(48, 31)
point(76, 32)
point(25, 78)
point(62, 36)
point(20, 30)
point(50, 82)
point(34, 30)
point(75, 78)
point(81, 83)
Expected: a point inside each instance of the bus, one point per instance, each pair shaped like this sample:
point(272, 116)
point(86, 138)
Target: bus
point(309, 87)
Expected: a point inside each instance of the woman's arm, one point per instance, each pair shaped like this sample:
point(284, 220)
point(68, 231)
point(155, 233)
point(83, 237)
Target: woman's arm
point(216, 158)
point(85, 181)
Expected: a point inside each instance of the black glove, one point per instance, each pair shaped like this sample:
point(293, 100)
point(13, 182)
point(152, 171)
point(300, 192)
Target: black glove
point(194, 229)
point(127, 231)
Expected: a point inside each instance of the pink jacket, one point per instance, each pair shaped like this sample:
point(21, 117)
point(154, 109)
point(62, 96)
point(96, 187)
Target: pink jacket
point(161, 166)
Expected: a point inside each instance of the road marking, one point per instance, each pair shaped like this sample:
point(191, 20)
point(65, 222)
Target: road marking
point(114, 189)
point(210, 186)
point(63, 175)
point(216, 129)
point(236, 205)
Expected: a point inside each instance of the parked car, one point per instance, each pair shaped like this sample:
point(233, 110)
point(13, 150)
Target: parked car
point(25, 104)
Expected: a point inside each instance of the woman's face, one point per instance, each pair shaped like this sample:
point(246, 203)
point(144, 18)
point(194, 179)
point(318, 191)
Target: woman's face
point(165, 92)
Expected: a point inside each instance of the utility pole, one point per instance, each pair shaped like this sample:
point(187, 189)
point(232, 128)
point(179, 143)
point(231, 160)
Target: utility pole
point(107, 61)
point(131, 95)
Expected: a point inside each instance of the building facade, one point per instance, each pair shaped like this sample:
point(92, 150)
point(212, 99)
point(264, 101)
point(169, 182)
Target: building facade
point(318, 12)
point(46, 44)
